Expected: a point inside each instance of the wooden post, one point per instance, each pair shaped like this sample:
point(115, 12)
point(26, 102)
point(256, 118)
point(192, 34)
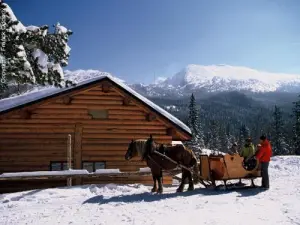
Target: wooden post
point(69, 157)
point(77, 151)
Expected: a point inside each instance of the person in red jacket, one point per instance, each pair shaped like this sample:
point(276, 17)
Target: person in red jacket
point(263, 155)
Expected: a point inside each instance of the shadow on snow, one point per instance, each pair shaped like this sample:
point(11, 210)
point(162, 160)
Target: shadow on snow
point(152, 197)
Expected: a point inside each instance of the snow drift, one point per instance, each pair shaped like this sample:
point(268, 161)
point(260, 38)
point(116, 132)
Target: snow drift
point(134, 204)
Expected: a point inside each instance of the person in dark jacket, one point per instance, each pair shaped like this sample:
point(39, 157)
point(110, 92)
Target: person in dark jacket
point(263, 155)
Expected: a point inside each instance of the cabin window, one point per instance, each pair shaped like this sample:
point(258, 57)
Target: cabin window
point(98, 114)
point(57, 166)
point(93, 166)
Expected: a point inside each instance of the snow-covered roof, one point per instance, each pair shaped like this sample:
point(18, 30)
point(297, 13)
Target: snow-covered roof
point(21, 101)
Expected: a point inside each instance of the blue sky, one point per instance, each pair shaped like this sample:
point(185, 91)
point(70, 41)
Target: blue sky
point(138, 40)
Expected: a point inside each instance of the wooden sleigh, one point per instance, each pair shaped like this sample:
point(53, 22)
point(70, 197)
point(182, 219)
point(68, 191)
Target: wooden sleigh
point(223, 168)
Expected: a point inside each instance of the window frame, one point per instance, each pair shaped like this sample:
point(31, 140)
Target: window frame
point(94, 164)
point(61, 165)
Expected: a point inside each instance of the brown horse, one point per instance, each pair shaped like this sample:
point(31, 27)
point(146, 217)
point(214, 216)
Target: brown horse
point(145, 149)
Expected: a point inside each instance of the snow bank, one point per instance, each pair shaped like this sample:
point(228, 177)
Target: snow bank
point(105, 171)
point(44, 173)
point(135, 204)
point(146, 169)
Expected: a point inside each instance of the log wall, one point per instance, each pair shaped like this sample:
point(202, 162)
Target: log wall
point(33, 137)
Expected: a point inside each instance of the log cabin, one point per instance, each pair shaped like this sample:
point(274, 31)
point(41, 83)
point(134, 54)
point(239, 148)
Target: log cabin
point(103, 115)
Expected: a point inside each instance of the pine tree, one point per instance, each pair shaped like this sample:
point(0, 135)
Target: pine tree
point(32, 55)
point(296, 127)
point(197, 142)
point(214, 140)
point(244, 133)
point(280, 146)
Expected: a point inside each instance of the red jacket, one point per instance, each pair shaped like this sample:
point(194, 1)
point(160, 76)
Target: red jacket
point(265, 152)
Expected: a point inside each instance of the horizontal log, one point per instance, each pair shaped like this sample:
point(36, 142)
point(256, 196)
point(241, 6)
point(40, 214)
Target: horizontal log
point(33, 135)
point(129, 136)
point(27, 158)
point(4, 169)
point(61, 116)
point(118, 131)
point(22, 163)
point(124, 126)
point(37, 130)
point(127, 117)
point(127, 112)
point(99, 93)
point(99, 98)
point(113, 141)
point(20, 154)
point(60, 111)
point(72, 121)
point(107, 158)
point(40, 125)
point(90, 106)
point(89, 151)
point(33, 147)
point(97, 102)
point(140, 164)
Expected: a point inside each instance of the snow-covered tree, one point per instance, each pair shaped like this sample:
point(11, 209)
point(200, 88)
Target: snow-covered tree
point(214, 142)
point(280, 147)
point(32, 55)
point(197, 142)
point(244, 133)
point(296, 127)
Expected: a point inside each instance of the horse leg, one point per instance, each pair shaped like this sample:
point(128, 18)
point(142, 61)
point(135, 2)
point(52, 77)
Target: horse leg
point(183, 177)
point(154, 189)
point(191, 182)
point(160, 186)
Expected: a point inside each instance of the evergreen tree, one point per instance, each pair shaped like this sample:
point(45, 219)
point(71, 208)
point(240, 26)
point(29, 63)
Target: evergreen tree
point(197, 142)
point(32, 55)
point(214, 142)
point(244, 133)
point(279, 144)
point(296, 127)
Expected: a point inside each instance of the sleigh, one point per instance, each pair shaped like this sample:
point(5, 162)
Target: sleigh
point(224, 168)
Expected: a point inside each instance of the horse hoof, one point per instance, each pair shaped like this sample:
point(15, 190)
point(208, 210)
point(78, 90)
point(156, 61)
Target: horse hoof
point(154, 190)
point(191, 189)
point(160, 191)
point(179, 190)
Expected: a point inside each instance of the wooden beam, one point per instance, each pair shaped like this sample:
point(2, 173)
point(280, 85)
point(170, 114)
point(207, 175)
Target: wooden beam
point(78, 150)
point(171, 132)
point(69, 158)
point(126, 101)
point(150, 117)
point(67, 100)
point(106, 86)
point(25, 114)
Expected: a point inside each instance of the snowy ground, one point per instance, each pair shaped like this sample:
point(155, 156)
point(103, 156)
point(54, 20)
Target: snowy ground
point(133, 204)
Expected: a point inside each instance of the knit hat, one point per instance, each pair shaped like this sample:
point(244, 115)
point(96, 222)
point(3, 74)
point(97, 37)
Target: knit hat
point(263, 137)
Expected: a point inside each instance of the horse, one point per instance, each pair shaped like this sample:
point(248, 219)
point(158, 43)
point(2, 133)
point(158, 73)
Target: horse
point(145, 149)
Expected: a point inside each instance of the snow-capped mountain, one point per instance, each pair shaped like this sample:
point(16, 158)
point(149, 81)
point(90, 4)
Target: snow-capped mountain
point(204, 79)
point(214, 78)
point(218, 78)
